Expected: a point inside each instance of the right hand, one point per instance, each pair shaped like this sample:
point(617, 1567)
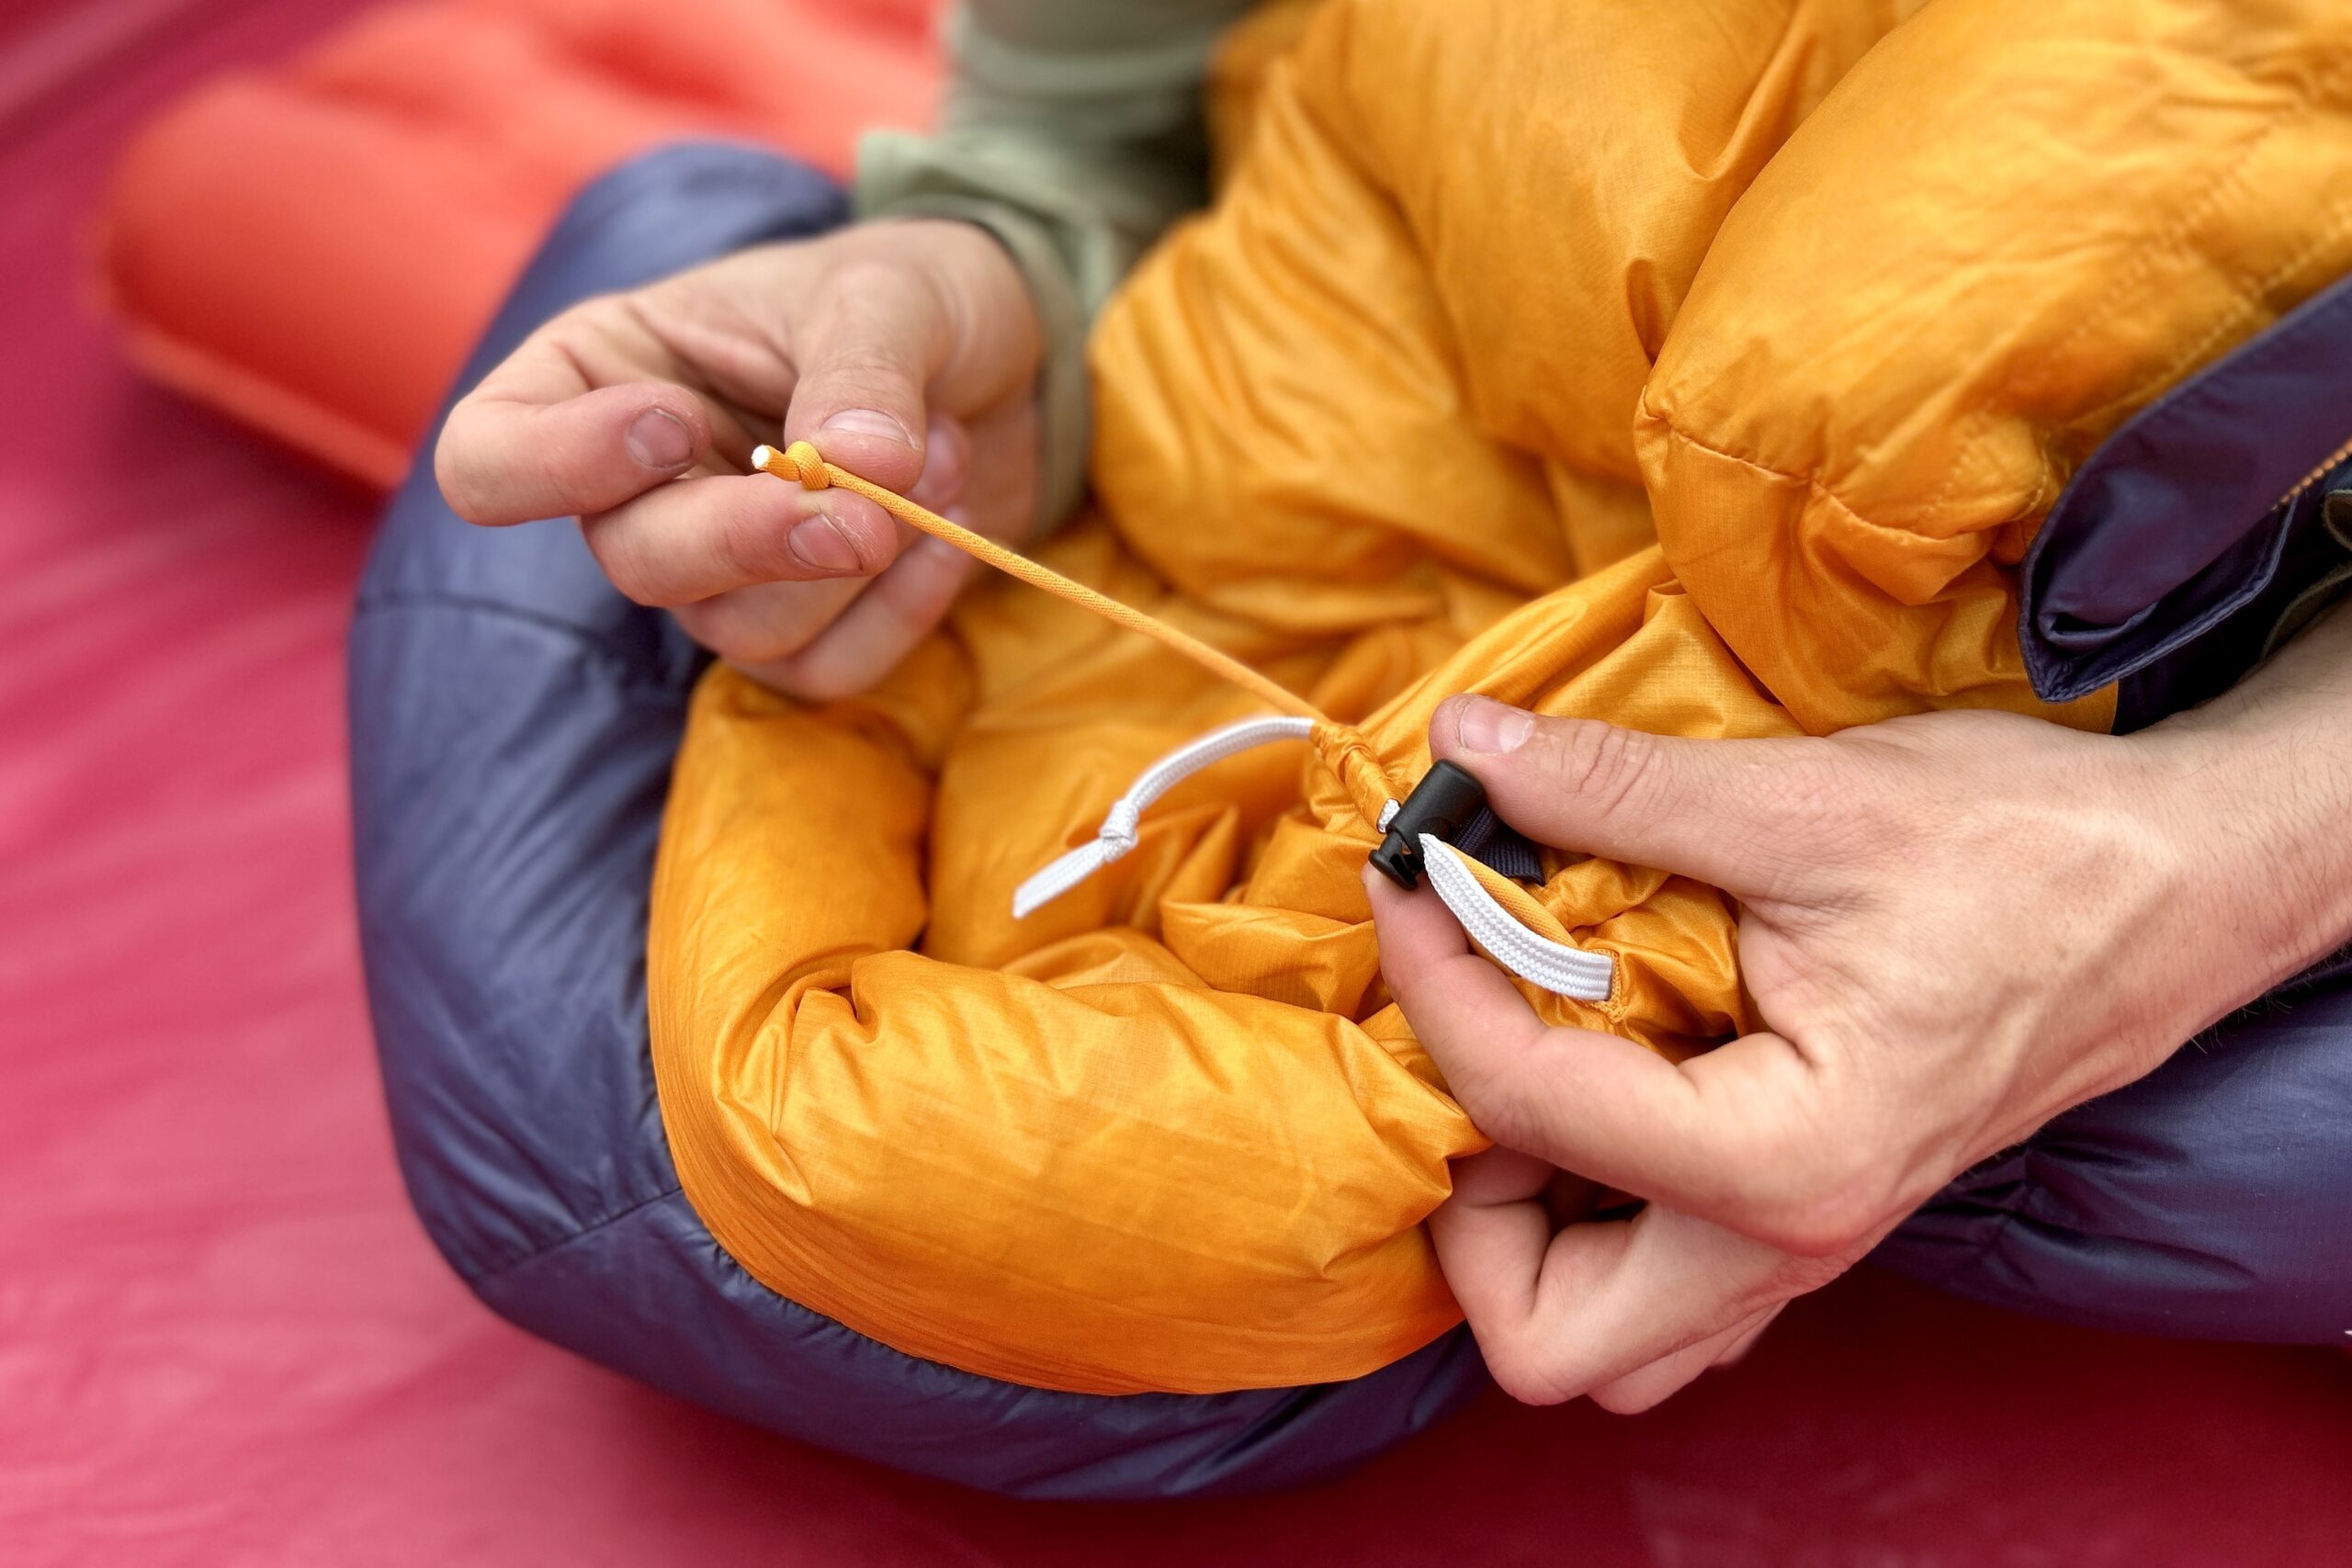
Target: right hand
point(907, 349)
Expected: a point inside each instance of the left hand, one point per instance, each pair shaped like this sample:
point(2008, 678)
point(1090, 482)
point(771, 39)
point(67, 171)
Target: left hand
point(1953, 926)
point(906, 348)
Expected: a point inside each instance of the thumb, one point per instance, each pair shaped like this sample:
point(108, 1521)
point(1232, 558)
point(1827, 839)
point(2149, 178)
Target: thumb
point(1741, 814)
point(865, 357)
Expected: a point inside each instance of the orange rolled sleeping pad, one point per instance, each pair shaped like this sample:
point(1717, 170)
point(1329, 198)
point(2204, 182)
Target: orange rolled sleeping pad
point(1706, 379)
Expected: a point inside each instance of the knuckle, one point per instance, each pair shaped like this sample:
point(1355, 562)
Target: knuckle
point(749, 547)
point(574, 332)
point(575, 326)
point(1620, 1399)
point(1501, 1107)
point(815, 690)
point(857, 375)
point(1521, 1370)
point(827, 679)
point(453, 470)
point(868, 322)
point(625, 568)
point(866, 275)
point(1600, 764)
point(736, 633)
point(1820, 1219)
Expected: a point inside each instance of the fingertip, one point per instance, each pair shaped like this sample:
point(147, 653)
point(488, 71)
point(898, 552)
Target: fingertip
point(1419, 937)
point(1497, 1175)
point(873, 445)
point(1416, 921)
point(1445, 727)
point(872, 535)
point(449, 472)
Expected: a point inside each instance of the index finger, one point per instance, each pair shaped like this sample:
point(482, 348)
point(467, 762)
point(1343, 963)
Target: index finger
point(537, 439)
point(1562, 1313)
point(1593, 1103)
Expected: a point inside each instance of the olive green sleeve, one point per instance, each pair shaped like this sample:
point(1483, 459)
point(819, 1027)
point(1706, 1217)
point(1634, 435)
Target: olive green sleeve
point(1072, 130)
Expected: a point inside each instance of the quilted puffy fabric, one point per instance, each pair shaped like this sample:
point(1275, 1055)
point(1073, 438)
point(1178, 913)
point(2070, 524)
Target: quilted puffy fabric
point(312, 247)
point(1831, 294)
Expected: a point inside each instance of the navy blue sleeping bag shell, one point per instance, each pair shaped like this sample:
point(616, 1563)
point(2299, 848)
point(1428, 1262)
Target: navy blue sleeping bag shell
point(513, 720)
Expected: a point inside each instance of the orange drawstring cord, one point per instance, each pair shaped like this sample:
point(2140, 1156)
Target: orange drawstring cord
point(1343, 747)
point(801, 461)
point(1556, 966)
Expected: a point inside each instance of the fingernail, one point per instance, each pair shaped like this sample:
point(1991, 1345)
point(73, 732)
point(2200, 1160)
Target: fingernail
point(820, 544)
point(867, 422)
point(659, 439)
point(1482, 723)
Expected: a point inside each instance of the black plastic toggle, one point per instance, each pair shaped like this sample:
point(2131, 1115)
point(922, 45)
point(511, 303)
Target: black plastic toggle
point(1444, 804)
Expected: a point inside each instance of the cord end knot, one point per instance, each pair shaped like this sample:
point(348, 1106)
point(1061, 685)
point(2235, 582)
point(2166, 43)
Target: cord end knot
point(801, 462)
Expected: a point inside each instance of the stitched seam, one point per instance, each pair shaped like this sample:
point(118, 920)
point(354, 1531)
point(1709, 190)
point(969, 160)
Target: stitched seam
point(2165, 244)
point(2334, 461)
point(2251, 296)
point(2200, 398)
point(505, 1265)
point(2252, 299)
point(1811, 480)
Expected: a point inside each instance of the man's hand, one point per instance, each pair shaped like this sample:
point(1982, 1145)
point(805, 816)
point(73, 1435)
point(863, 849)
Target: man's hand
point(907, 351)
point(1954, 926)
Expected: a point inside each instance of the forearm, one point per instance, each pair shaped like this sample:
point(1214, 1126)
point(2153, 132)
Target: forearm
point(2260, 780)
point(1073, 132)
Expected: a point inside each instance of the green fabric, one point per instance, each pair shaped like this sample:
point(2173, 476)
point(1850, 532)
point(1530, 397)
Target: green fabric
point(1073, 132)
point(2329, 586)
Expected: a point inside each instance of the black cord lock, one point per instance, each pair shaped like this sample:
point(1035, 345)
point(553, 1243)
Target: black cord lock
point(1444, 803)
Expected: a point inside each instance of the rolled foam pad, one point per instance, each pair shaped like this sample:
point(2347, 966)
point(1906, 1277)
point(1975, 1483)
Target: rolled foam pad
point(312, 249)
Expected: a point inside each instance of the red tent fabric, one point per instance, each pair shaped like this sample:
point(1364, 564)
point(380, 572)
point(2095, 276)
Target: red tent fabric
point(223, 1340)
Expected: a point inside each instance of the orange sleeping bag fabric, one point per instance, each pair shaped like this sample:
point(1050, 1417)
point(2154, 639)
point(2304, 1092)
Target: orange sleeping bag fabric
point(1703, 369)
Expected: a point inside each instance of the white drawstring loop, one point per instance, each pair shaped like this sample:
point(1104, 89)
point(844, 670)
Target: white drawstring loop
point(1560, 969)
point(1563, 970)
point(1121, 825)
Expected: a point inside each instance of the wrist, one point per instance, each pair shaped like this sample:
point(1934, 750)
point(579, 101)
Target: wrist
point(2256, 790)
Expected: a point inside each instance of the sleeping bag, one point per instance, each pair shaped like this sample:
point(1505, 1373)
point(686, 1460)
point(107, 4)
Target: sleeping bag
point(1704, 369)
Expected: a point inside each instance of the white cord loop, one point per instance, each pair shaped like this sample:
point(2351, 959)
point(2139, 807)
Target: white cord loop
point(1560, 969)
point(1117, 834)
point(1557, 967)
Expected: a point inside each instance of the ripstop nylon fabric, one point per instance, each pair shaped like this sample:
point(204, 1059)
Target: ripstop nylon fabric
point(1708, 380)
point(1553, 966)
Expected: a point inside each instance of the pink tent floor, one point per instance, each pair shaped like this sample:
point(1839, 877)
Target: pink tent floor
point(224, 1340)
